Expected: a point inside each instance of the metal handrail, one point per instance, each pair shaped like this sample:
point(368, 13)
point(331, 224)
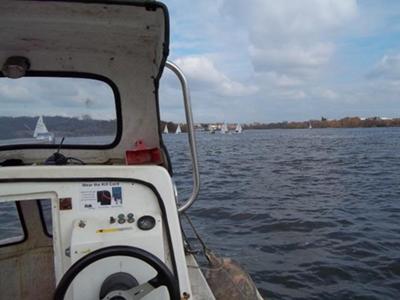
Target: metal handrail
point(191, 135)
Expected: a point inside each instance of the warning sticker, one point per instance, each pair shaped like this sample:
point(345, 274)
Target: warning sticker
point(100, 195)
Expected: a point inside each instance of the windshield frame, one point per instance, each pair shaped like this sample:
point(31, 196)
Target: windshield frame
point(82, 75)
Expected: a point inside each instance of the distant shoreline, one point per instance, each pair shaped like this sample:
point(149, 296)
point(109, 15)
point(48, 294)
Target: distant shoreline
point(348, 122)
point(22, 127)
point(321, 128)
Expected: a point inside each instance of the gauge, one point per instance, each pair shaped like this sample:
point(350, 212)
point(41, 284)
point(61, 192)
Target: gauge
point(146, 222)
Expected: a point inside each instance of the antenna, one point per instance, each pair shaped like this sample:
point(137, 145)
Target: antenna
point(59, 146)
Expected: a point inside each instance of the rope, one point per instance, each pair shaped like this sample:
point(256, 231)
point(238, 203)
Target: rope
point(205, 249)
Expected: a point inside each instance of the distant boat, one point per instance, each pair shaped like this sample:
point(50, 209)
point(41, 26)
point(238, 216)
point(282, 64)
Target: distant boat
point(178, 129)
point(41, 132)
point(211, 128)
point(238, 128)
point(309, 125)
point(224, 128)
point(166, 129)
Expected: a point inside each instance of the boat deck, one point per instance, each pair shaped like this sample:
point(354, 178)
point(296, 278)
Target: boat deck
point(200, 288)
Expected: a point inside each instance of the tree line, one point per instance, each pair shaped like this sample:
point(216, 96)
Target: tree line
point(348, 122)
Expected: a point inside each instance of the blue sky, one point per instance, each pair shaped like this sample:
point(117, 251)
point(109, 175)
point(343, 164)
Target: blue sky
point(268, 60)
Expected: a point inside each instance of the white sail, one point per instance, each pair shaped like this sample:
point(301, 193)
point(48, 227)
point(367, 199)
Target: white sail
point(224, 128)
point(309, 125)
point(178, 129)
point(166, 129)
point(238, 128)
point(40, 128)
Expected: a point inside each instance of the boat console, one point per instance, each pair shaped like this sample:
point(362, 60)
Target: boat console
point(127, 222)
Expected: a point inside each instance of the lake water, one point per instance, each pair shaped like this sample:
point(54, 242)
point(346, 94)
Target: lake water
point(311, 214)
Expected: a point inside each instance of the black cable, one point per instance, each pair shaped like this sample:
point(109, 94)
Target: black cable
point(205, 249)
point(76, 159)
point(188, 247)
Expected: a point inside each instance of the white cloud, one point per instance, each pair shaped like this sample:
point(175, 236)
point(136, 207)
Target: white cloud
point(293, 94)
point(204, 74)
point(288, 19)
point(12, 92)
point(328, 94)
point(387, 68)
point(291, 37)
point(32, 96)
point(276, 80)
point(291, 59)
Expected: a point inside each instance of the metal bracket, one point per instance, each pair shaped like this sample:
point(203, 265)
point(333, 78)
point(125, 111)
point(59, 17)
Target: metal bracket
point(191, 135)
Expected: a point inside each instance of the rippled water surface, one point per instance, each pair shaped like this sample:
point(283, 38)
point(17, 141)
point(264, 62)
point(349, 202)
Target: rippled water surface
point(312, 214)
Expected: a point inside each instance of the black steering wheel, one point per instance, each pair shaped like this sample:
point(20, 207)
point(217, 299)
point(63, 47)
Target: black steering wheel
point(164, 276)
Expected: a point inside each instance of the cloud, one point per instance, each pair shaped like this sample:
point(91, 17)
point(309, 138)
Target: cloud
point(284, 20)
point(291, 59)
point(328, 94)
point(290, 37)
point(32, 96)
point(203, 74)
point(387, 68)
point(13, 93)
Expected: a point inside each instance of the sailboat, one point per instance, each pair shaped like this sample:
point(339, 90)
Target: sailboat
point(41, 132)
point(166, 129)
point(309, 125)
point(178, 129)
point(224, 128)
point(238, 128)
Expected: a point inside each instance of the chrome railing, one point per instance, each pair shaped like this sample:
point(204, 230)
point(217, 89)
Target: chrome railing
point(191, 135)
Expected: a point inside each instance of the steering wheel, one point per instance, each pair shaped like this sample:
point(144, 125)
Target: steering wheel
point(164, 276)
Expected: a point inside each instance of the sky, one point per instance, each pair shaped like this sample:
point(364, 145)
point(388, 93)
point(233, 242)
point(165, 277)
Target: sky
point(268, 60)
point(68, 97)
point(256, 61)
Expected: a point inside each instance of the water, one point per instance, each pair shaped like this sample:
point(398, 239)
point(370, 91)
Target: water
point(311, 214)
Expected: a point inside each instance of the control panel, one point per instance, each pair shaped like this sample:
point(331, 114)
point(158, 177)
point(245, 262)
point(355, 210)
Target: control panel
point(132, 207)
point(102, 214)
